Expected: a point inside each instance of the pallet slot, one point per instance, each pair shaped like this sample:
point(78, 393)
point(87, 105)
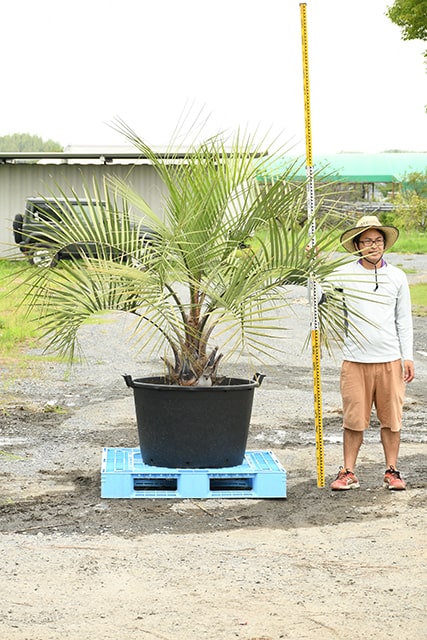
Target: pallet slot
point(230, 484)
point(152, 484)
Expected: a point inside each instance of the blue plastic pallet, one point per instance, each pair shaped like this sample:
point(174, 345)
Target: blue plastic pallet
point(124, 475)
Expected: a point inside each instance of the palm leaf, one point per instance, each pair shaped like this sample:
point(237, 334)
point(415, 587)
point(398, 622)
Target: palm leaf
point(222, 253)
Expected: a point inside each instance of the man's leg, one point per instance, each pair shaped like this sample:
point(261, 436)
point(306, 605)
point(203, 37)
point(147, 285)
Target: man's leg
point(389, 404)
point(357, 398)
point(357, 386)
point(391, 443)
point(352, 443)
point(392, 478)
point(346, 479)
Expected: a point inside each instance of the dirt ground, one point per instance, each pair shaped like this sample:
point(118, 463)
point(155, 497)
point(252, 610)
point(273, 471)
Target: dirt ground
point(316, 564)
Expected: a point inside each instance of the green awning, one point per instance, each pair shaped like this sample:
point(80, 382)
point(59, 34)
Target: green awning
point(352, 167)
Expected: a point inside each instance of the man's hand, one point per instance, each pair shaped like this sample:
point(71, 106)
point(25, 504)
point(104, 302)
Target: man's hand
point(408, 370)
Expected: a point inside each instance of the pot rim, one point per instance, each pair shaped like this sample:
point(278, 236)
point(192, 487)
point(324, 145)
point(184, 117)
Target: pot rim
point(155, 382)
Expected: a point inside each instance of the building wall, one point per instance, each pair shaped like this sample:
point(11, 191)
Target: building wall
point(21, 180)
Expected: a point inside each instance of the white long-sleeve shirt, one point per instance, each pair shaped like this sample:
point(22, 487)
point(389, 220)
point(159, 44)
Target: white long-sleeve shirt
point(384, 333)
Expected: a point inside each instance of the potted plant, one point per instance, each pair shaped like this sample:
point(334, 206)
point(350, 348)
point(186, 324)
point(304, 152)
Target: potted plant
point(210, 283)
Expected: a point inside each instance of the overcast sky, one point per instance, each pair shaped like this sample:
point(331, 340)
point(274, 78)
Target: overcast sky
point(69, 68)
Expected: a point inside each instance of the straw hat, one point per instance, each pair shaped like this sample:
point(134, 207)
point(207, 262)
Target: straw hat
point(368, 222)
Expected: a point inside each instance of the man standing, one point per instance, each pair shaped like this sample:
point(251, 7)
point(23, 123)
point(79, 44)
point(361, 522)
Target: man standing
point(378, 347)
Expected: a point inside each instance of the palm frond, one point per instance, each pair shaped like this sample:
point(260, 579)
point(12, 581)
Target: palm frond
point(221, 253)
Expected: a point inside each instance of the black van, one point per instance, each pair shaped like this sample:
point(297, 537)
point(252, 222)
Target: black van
point(38, 230)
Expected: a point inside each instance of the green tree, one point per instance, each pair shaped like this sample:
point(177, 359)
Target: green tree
point(27, 142)
point(411, 17)
point(411, 202)
point(415, 182)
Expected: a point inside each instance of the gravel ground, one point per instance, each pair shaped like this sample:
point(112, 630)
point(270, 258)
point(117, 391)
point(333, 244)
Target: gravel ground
point(314, 564)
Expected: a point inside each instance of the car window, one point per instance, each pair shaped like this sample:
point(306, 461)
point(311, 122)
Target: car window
point(45, 212)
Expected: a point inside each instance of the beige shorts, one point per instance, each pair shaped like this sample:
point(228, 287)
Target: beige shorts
point(366, 385)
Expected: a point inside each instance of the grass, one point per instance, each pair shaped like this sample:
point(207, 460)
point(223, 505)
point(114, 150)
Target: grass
point(411, 242)
point(419, 299)
point(17, 328)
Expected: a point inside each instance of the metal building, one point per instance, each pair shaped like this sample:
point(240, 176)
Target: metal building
point(33, 174)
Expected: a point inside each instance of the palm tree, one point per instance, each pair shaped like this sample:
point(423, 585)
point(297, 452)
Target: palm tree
point(214, 269)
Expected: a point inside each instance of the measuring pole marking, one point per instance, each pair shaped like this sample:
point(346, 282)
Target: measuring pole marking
point(315, 335)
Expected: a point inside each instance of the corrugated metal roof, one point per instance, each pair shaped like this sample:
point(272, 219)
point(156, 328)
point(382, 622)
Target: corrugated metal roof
point(98, 156)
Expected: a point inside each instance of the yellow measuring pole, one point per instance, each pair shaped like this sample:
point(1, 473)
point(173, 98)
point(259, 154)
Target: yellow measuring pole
point(315, 331)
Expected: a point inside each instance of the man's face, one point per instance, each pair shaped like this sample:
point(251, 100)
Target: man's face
point(371, 244)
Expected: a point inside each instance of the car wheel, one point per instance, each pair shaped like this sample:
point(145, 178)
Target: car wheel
point(43, 258)
point(18, 222)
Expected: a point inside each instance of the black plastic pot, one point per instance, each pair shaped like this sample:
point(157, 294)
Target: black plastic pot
point(193, 427)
